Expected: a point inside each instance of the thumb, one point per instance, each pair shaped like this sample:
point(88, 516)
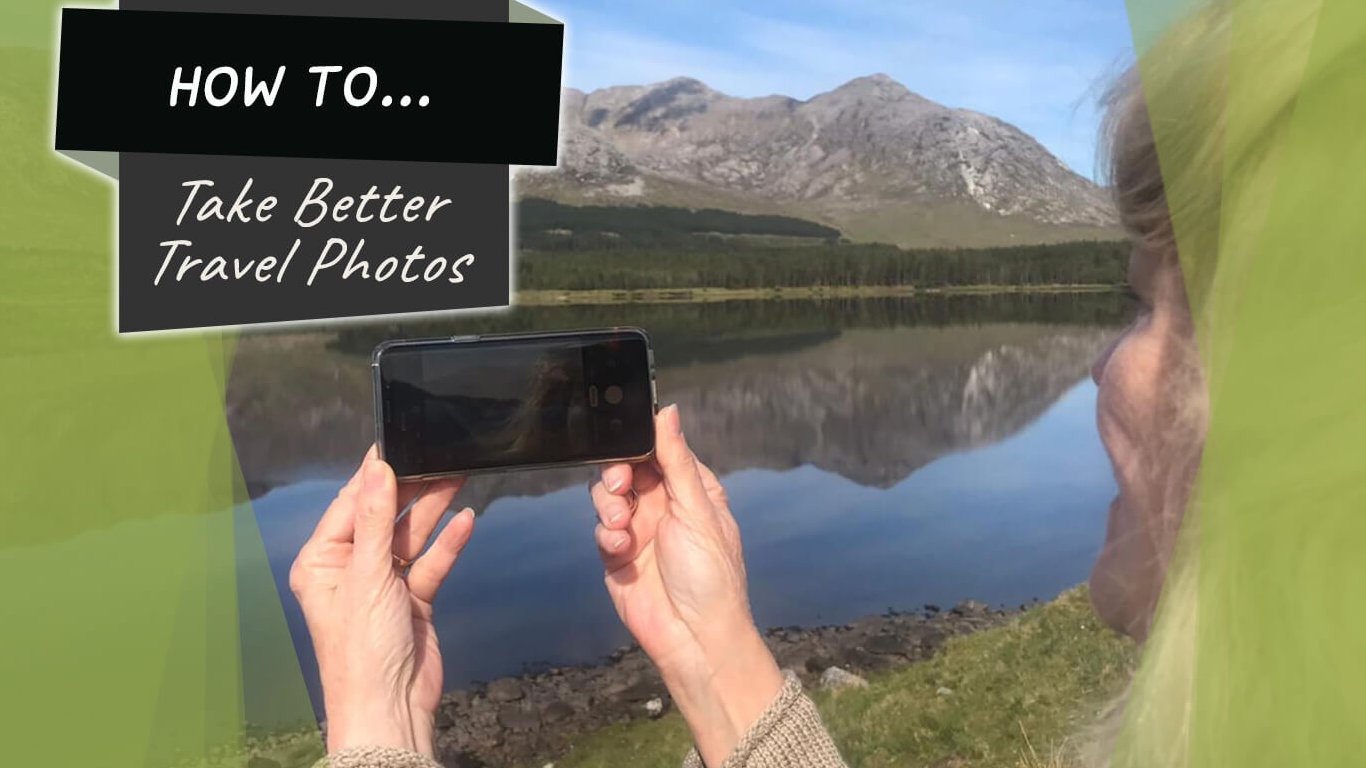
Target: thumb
point(679, 466)
point(377, 509)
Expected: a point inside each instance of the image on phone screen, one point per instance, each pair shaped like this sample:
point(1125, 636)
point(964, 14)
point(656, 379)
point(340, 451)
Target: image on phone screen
point(459, 406)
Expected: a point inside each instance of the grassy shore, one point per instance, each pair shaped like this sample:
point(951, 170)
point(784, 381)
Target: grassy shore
point(704, 295)
point(1019, 696)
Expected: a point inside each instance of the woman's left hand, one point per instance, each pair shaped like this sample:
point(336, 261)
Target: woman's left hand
point(371, 624)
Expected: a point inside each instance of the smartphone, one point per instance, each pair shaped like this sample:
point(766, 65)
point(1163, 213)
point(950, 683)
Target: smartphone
point(468, 404)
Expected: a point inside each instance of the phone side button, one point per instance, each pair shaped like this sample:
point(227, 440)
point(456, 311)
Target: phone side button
point(465, 338)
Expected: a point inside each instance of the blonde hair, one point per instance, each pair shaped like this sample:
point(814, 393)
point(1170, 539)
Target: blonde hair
point(1184, 153)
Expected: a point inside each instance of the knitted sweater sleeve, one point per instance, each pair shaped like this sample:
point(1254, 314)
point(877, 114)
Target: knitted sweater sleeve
point(376, 757)
point(788, 735)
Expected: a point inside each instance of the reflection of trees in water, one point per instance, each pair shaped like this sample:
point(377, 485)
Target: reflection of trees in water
point(871, 398)
point(697, 332)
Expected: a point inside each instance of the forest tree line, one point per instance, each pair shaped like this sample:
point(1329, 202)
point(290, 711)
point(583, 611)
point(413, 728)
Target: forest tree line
point(748, 265)
point(565, 247)
point(547, 225)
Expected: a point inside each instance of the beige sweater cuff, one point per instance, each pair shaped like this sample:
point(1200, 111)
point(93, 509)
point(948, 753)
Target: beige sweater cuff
point(788, 735)
point(376, 757)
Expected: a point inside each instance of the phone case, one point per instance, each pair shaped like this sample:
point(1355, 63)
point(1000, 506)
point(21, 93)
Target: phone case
point(377, 389)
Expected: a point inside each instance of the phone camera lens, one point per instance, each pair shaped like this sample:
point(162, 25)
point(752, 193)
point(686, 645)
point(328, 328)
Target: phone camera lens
point(613, 395)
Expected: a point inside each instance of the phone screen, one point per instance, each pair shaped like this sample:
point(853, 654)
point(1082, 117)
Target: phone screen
point(495, 403)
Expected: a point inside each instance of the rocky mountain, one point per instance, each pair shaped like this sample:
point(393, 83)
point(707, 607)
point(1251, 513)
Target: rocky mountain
point(870, 157)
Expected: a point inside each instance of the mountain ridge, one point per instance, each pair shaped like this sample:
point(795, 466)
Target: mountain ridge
point(871, 157)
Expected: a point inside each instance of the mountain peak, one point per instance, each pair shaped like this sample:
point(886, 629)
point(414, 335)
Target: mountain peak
point(681, 84)
point(877, 78)
point(662, 102)
point(870, 153)
point(878, 85)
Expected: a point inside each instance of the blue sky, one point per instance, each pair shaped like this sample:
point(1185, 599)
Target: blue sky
point(1039, 64)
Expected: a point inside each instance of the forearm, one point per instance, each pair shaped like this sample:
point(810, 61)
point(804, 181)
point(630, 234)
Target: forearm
point(789, 734)
point(723, 693)
point(378, 735)
point(374, 722)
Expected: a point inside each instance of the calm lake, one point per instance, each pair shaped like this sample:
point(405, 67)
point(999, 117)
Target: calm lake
point(878, 453)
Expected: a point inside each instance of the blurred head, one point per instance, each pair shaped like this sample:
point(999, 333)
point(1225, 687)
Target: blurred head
point(1150, 404)
point(1194, 148)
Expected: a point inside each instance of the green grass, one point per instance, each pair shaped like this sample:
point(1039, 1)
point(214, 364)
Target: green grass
point(940, 223)
point(1021, 694)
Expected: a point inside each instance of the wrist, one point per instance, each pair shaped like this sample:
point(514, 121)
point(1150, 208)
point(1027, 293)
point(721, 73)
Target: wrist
point(724, 692)
point(424, 733)
point(371, 723)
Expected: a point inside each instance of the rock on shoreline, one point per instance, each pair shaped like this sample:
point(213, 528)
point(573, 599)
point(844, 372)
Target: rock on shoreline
point(517, 721)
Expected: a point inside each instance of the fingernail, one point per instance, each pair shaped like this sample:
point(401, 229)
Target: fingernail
point(619, 541)
point(614, 517)
point(614, 484)
point(375, 475)
point(671, 420)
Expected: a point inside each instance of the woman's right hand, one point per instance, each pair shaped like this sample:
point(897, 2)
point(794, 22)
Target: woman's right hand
point(676, 574)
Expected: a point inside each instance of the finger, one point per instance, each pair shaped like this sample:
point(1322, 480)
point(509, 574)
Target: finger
point(679, 466)
point(614, 547)
point(715, 491)
point(338, 522)
point(429, 572)
point(617, 478)
point(614, 511)
point(376, 512)
point(416, 526)
point(408, 491)
point(646, 477)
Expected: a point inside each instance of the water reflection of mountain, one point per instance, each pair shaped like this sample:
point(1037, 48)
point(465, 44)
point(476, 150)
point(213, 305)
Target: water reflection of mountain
point(872, 405)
